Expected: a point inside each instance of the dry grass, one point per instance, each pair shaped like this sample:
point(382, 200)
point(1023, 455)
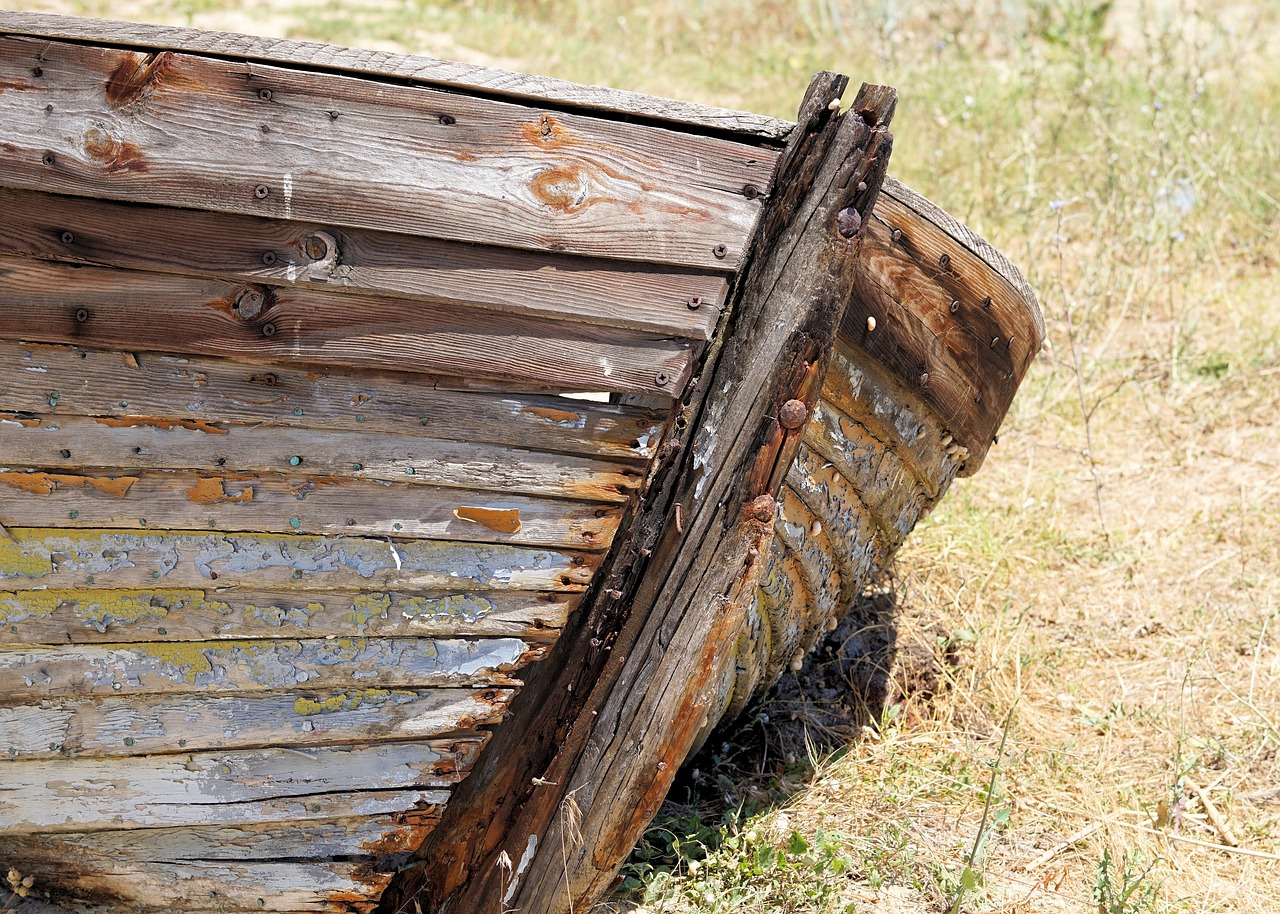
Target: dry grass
point(1108, 583)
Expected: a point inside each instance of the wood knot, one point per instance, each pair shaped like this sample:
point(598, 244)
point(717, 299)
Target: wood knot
point(248, 303)
point(793, 414)
point(763, 508)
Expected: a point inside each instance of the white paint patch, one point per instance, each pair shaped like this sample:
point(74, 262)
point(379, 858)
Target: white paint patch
point(395, 554)
point(525, 859)
point(288, 195)
point(606, 367)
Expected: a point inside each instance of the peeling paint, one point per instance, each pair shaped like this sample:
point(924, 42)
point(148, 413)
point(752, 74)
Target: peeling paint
point(502, 520)
point(212, 490)
point(48, 483)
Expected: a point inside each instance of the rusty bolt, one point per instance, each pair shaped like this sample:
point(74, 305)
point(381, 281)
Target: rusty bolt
point(264, 94)
point(848, 221)
point(82, 315)
point(261, 191)
point(896, 234)
point(268, 330)
point(793, 414)
point(695, 303)
point(750, 191)
point(720, 251)
point(447, 120)
point(763, 508)
point(662, 379)
point(248, 304)
point(269, 257)
point(48, 158)
point(955, 306)
point(316, 248)
point(68, 238)
point(944, 261)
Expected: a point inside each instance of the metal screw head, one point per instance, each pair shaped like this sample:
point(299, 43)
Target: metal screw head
point(750, 191)
point(862, 186)
point(793, 414)
point(264, 94)
point(721, 251)
point(269, 257)
point(248, 304)
point(68, 238)
point(48, 158)
point(924, 379)
point(995, 341)
point(848, 221)
point(295, 460)
point(261, 191)
point(268, 330)
point(955, 306)
point(944, 261)
point(448, 120)
point(662, 379)
point(82, 315)
point(896, 234)
point(986, 303)
point(695, 303)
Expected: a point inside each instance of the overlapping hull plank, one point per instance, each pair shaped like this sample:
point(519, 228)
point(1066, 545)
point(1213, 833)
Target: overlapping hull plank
point(315, 592)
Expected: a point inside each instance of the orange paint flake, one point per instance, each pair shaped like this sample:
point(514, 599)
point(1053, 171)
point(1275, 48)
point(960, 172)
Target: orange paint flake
point(503, 520)
point(553, 415)
point(212, 490)
point(48, 483)
point(196, 425)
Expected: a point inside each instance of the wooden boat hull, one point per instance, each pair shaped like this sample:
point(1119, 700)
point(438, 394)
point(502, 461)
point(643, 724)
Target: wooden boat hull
point(316, 594)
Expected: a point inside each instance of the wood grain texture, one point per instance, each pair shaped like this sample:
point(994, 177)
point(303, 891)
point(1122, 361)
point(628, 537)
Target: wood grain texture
point(30, 674)
point(638, 297)
point(102, 728)
point(51, 302)
point(229, 788)
point(185, 130)
point(212, 446)
point(67, 380)
point(56, 616)
point(117, 559)
point(278, 503)
point(415, 69)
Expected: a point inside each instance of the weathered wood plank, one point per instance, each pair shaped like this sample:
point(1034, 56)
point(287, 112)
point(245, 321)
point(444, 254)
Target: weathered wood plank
point(413, 68)
point(276, 503)
point(51, 302)
point(219, 787)
point(291, 886)
point(30, 674)
point(54, 616)
point(946, 323)
point(631, 296)
point(375, 836)
point(138, 443)
point(185, 130)
point(66, 380)
point(191, 561)
point(70, 728)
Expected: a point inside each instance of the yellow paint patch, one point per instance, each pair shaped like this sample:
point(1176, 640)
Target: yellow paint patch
point(503, 520)
point(195, 425)
point(212, 490)
point(48, 483)
point(349, 701)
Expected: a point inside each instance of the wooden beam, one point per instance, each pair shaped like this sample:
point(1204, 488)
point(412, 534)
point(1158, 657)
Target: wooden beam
point(49, 302)
point(207, 392)
point(159, 238)
point(413, 69)
point(179, 129)
point(615, 724)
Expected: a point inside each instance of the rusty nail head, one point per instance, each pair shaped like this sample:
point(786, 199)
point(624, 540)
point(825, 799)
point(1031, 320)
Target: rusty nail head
point(750, 191)
point(662, 379)
point(333, 115)
point(268, 330)
point(48, 158)
point(955, 306)
point(793, 414)
point(448, 120)
point(763, 508)
point(261, 191)
point(269, 258)
point(82, 315)
point(316, 247)
point(862, 185)
point(264, 94)
point(68, 238)
point(944, 261)
point(720, 251)
point(695, 303)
